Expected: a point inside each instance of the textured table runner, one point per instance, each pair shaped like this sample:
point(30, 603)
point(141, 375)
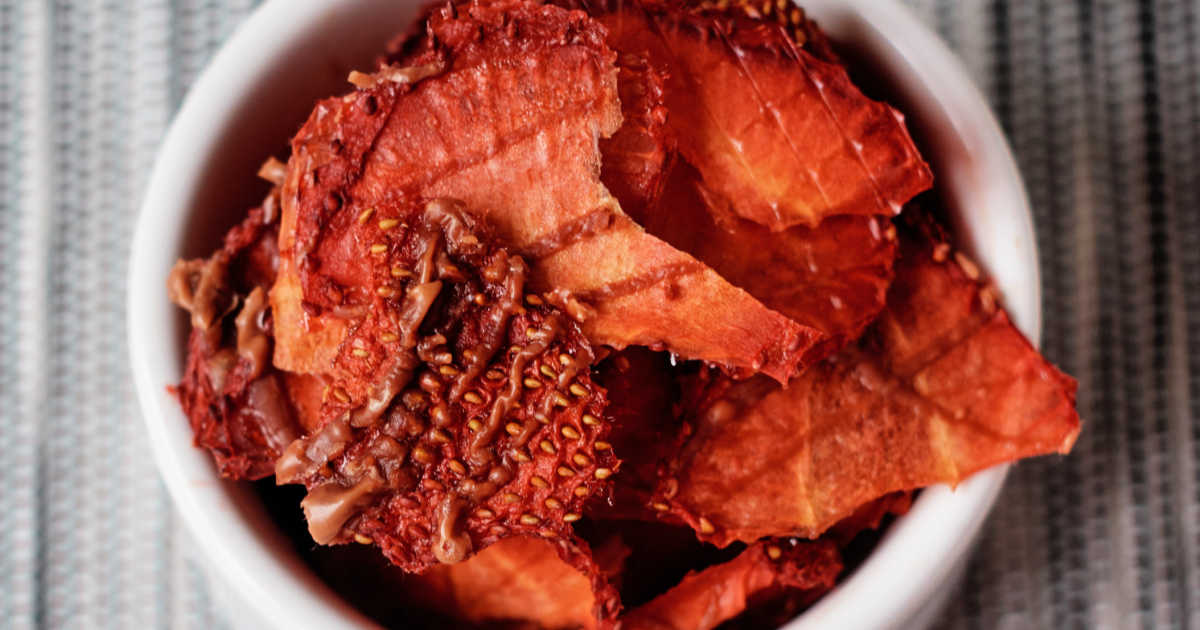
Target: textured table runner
point(1101, 101)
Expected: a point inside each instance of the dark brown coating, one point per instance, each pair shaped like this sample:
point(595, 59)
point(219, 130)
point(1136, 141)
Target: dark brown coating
point(235, 400)
point(833, 277)
point(459, 410)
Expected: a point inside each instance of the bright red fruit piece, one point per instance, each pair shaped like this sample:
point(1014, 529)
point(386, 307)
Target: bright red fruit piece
point(942, 386)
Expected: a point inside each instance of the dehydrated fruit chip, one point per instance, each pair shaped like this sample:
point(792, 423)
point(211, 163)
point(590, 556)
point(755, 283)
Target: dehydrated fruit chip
point(448, 254)
point(942, 386)
point(833, 277)
point(234, 399)
point(638, 156)
point(515, 580)
point(705, 599)
point(523, 580)
point(782, 137)
point(518, 143)
point(459, 410)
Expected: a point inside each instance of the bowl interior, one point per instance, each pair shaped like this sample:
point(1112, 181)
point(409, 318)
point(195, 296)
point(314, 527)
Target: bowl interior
point(260, 88)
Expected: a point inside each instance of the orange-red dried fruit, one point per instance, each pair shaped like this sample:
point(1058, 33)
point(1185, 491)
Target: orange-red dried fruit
point(517, 143)
point(638, 156)
point(781, 136)
point(764, 19)
point(942, 386)
point(515, 580)
point(440, 391)
point(870, 515)
point(234, 399)
point(450, 417)
point(705, 599)
point(833, 277)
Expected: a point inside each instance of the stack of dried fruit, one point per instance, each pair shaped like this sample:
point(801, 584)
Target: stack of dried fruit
point(558, 280)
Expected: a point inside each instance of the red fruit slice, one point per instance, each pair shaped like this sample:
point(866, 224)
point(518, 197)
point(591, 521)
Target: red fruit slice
point(235, 400)
point(782, 136)
point(705, 599)
point(942, 386)
point(458, 411)
point(518, 143)
point(870, 516)
point(515, 580)
point(833, 277)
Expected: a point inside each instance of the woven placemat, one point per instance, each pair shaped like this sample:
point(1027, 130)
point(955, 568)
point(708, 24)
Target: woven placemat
point(1101, 101)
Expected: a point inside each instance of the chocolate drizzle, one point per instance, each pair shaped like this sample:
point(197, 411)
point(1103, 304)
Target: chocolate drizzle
point(253, 345)
point(233, 396)
point(450, 543)
point(583, 227)
point(197, 286)
point(480, 452)
point(303, 457)
point(446, 375)
point(266, 401)
point(328, 506)
point(494, 322)
point(651, 278)
point(393, 382)
point(403, 75)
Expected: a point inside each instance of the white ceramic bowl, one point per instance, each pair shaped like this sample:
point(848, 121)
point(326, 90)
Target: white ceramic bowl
point(259, 89)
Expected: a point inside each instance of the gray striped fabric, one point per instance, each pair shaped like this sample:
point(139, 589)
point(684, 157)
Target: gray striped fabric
point(1101, 100)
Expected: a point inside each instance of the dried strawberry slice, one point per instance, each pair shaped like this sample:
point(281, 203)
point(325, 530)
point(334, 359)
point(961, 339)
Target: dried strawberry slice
point(798, 144)
point(870, 516)
point(763, 20)
point(515, 580)
point(517, 143)
point(833, 277)
point(523, 580)
point(459, 411)
point(638, 156)
point(942, 386)
point(705, 599)
point(244, 423)
point(236, 402)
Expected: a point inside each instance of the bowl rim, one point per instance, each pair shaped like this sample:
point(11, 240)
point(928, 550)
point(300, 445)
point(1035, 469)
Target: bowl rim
point(949, 520)
point(267, 576)
point(270, 578)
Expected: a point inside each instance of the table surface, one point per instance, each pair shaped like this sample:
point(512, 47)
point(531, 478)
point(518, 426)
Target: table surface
point(1100, 98)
